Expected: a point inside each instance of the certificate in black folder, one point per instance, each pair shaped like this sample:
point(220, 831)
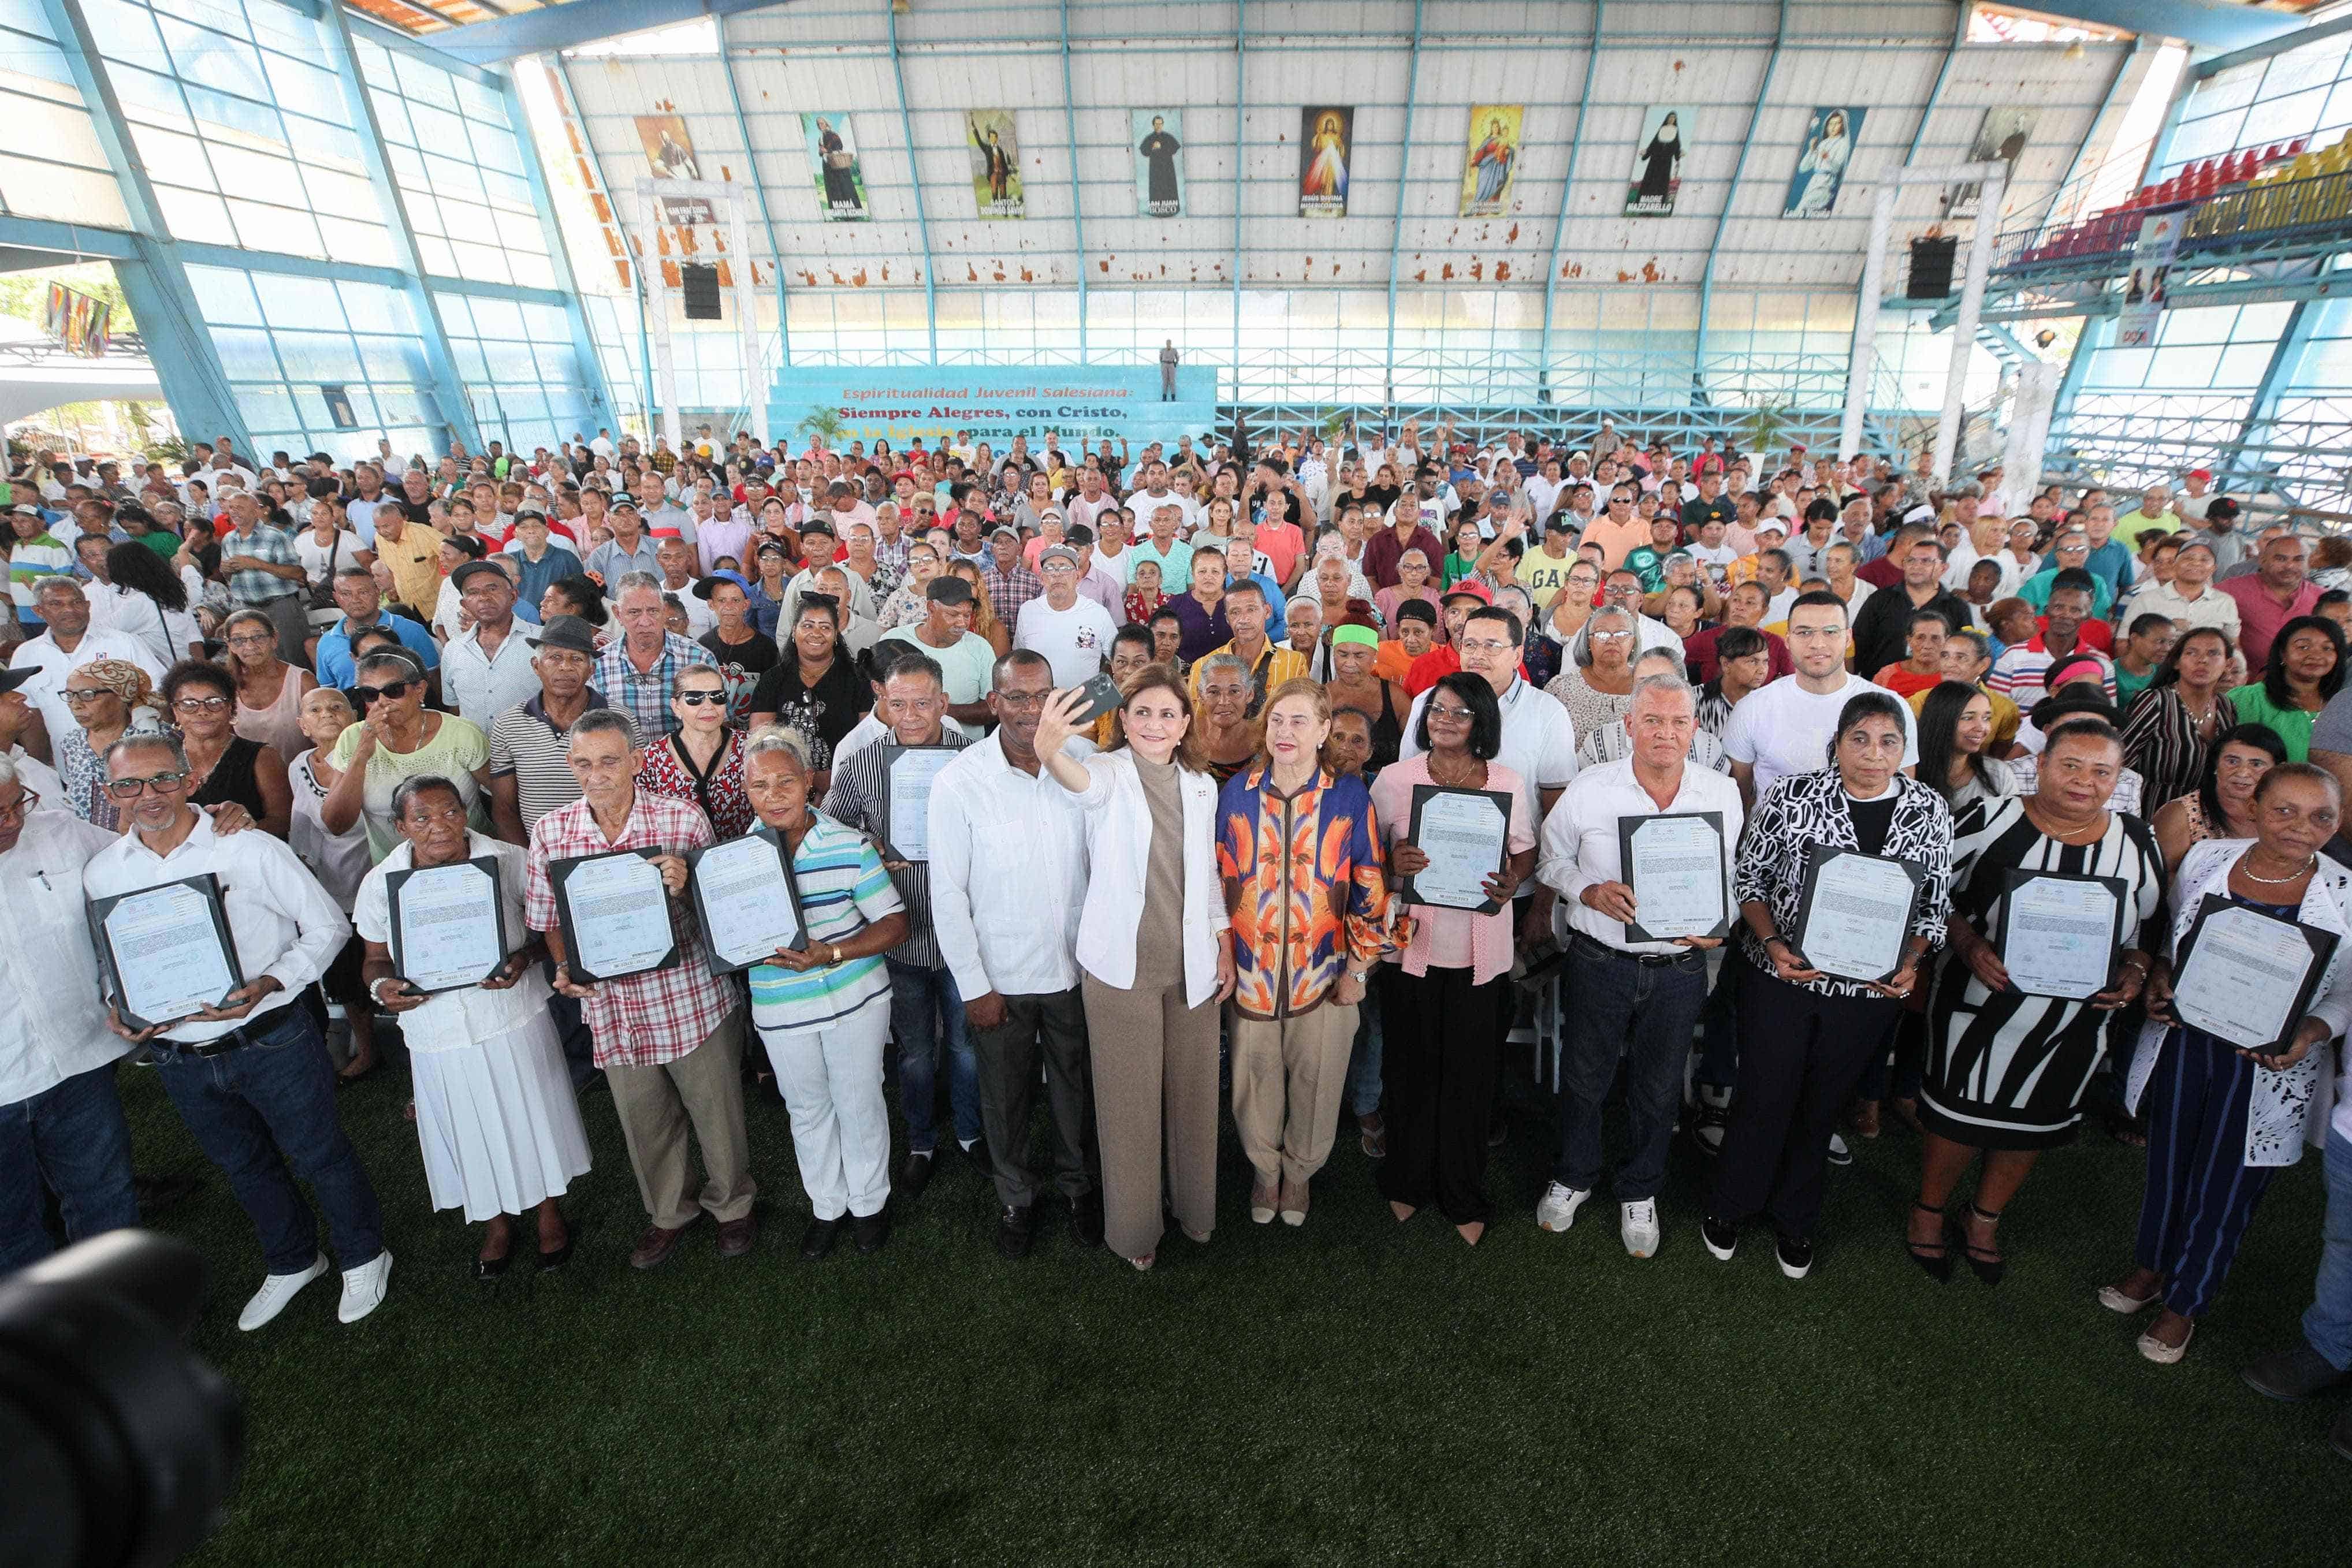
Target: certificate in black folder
point(1467, 834)
point(906, 774)
point(448, 923)
point(2061, 934)
point(1854, 913)
point(2246, 976)
point(614, 913)
point(1674, 863)
point(747, 901)
point(165, 951)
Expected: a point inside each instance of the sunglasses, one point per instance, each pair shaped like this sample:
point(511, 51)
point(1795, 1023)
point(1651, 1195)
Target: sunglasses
point(392, 693)
point(701, 699)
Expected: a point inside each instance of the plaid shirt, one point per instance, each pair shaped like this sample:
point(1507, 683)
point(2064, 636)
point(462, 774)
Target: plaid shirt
point(889, 565)
point(265, 543)
point(643, 1020)
point(645, 695)
point(1009, 590)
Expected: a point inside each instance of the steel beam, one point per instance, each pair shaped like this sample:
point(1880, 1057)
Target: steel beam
point(611, 205)
point(760, 190)
point(1405, 173)
point(915, 179)
point(1077, 200)
point(1567, 184)
point(1943, 75)
point(1730, 194)
point(1241, 109)
point(406, 257)
point(553, 28)
point(583, 341)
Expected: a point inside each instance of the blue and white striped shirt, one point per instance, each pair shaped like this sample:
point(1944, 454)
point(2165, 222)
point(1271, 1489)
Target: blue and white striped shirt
point(842, 889)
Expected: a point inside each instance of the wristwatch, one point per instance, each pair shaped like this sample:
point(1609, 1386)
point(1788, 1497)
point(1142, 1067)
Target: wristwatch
point(835, 949)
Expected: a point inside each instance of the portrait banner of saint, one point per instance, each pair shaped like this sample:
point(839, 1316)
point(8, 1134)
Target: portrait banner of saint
point(1490, 168)
point(1657, 177)
point(995, 163)
point(1830, 134)
point(832, 154)
point(1325, 142)
point(1158, 138)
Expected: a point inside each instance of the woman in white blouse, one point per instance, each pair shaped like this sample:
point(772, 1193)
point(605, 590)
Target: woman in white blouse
point(1155, 968)
point(495, 1112)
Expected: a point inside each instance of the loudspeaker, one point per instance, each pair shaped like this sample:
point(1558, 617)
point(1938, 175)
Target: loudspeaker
point(699, 283)
point(1931, 267)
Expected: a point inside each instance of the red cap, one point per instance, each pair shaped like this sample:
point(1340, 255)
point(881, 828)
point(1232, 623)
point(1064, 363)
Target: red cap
point(2204, 475)
point(1471, 586)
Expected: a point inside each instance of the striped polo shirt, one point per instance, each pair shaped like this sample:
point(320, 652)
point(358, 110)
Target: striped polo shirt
point(844, 889)
point(526, 746)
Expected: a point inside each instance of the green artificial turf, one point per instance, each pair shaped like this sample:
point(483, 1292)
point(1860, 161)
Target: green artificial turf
point(1351, 1392)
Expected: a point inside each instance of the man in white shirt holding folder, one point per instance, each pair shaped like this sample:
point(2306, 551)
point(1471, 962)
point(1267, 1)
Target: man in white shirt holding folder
point(250, 1075)
point(1008, 879)
point(1634, 998)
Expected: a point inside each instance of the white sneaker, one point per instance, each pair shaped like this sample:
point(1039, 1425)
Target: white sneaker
point(1838, 1153)
point(1558, 1210)
point(276, 1291)
point(364, 1288)
point(1638, 1224)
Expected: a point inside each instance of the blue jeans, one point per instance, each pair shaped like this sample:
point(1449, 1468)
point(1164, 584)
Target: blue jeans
point(2328, 1324)
point(264, 1113)
point(71, 1137)
point(1640, 1012)
point(1364, 1059)
point(924, 1005)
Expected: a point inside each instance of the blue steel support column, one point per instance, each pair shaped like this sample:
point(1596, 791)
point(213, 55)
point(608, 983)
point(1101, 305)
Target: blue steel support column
point(1560, 224)
point(1078, 200)
point(1723, 218)
point(914, 180)
point(2097, 333)
point(1396, 235)
point(583, 343)
point(2286, 360)
point(760, 190)
point(1935, 93)
point(1240, 107)
point(155, 283)
point(458, 403)
point(637, 262)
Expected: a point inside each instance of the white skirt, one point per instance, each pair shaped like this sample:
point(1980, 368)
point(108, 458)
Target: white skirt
point(498, 1122)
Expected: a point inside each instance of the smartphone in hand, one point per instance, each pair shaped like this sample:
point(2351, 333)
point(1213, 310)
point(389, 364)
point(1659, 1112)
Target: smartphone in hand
point(1102, 695)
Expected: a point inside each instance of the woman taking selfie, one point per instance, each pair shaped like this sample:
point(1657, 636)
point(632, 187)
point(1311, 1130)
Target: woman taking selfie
point(1151, 946)
point(2223, 1120)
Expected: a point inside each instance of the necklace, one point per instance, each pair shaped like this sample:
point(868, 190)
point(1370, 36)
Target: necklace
point(2246, 866)
point(1462, 778)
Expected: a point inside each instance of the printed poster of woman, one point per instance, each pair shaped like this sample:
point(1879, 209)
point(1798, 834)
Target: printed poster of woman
point(995, 163)
point(1325, 137)
point(1657, 164)
point(1829, 136)
point(1492, 163)
point(833, 152)
point(1157, 134)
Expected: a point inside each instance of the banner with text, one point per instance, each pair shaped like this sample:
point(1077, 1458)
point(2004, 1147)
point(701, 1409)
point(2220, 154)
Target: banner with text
point(996, 404)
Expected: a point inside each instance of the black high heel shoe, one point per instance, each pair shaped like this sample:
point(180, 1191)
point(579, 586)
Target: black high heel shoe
point(491, 1268)
point(1936, 1264)
point(557, 1257)
point(1987, 1268)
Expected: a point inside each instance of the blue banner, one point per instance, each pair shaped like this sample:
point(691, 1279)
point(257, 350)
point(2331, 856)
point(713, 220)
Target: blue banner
point(996, 402)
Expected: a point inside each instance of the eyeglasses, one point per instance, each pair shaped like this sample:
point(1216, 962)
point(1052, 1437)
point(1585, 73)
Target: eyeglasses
point(128, 789)
point(25, 801)
point(1484, 647)
point(702, 699)
point(75, 698)
point(1450, 714)
point(1612, 636)
point(200, 704)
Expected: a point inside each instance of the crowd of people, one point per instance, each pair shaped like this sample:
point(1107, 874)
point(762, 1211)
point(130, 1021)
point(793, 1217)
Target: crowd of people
point(1207, 891)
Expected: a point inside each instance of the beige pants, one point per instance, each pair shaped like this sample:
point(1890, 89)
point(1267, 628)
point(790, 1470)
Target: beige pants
point(1155, 1070)
point(1289, 1076)
point(704, 1090)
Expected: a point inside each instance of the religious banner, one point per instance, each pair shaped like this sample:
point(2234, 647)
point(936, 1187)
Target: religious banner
point(1829, 138)
point(1158, 138)
point(1325, 143)
point(2002, 135)
point(1491, 167)
point(995, 163)
point(669, 150)
point(2150, 280)
point(833, 153)
point(1657, 177)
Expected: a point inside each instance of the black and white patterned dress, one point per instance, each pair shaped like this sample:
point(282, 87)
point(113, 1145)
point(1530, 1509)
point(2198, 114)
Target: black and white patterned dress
point(2008, 1072)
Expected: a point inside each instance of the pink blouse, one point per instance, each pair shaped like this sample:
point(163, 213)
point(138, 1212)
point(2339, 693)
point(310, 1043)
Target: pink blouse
point(1452, 938)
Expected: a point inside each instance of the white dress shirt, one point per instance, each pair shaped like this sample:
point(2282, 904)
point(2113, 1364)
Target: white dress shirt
point(483, 687)
point(52, 1018)
point(1539, 738)
point(1008, 874)
point(1580, 840)
point(46, 691)
point(280, 921)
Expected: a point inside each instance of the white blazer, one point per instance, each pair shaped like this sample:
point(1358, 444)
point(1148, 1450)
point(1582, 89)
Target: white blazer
point(2284, 1109)
point(1118, 851)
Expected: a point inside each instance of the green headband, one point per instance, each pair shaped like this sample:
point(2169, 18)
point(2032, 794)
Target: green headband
point(1364, 635)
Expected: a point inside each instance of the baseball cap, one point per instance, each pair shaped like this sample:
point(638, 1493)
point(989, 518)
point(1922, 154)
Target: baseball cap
point(1062, 552)
point(474, 569)
point(709, 585)
point(948, 589)
point(1006, 532)
point(1470, 588)
point(565, 631)
point(2203, 475)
